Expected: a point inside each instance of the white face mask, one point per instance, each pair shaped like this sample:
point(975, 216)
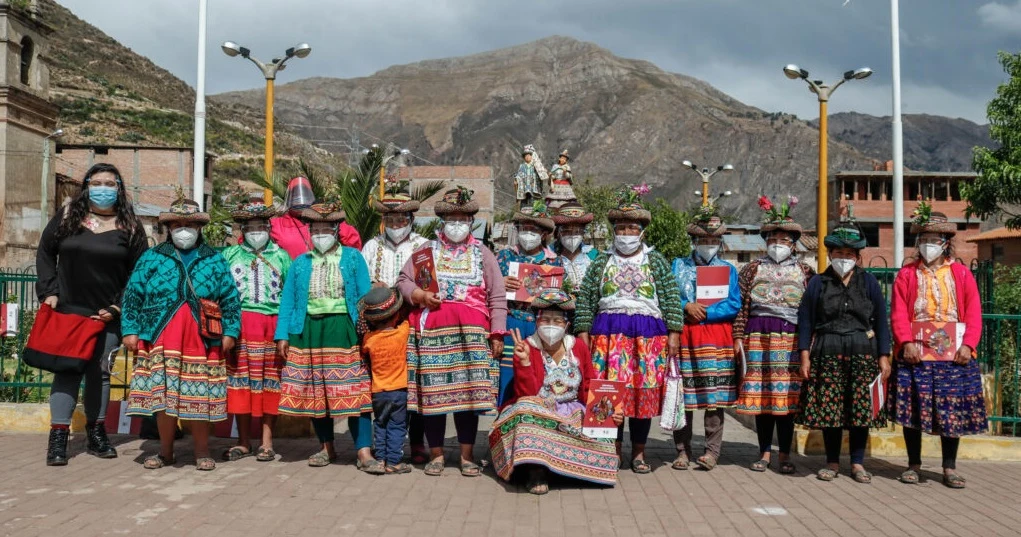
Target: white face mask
point(456, 231)
point(843, 266)
point(257, 239)
point(551, 334)
point(707, 251)
point(571, 243)
point(778, 252)
point(184, 237)
point(931, 252)
point(399, 234)
point(627, 244)
point(529, 240)
point(323, 242)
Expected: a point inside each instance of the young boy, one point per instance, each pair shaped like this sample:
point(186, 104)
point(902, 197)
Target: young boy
point(385, 349)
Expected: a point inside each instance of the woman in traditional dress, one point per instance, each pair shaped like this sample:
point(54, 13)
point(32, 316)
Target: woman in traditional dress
point(324, 377)
point(938, 397)
point(291, 233)
point(457, 334)
point(561, 179)
point(575, 256)
point(707, 343)
point(541, 428)
point(85, 257)
point(178, 373)
point(629, 315)
point(844, 340)
point(765, 335)
point(259, 268)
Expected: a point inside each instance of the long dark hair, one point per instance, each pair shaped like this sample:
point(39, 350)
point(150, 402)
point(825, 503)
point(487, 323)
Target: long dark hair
point(79, 208)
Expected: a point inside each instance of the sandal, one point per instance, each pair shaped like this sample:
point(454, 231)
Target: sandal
point(320, 459)
point(373, 468)
point(470, 469)
point(205, 464)
point(681, 462)
point(760, 465)
point(639, 466)
point(787, 468)
point(419, 457)
point(825, 474)
point(953, 481)
point(706, 462)
point(538, 487)
point(236, 453)
point(863, 477)
point(434, 468)
point(909, 477)
point(265, 455)
point(156, 462)
point(400, 468)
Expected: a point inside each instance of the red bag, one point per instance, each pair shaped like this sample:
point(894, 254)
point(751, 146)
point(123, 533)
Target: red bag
point(61, 342)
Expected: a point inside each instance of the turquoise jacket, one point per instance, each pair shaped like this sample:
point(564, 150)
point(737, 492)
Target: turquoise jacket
point(157, 289)
point(294, 302)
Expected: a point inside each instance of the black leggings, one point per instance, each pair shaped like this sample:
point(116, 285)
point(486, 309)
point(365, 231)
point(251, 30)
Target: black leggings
point(857, 439)
point(416, 429)
point(466, 424)
point(764, 424)
point(639, 430)
point(913, 443)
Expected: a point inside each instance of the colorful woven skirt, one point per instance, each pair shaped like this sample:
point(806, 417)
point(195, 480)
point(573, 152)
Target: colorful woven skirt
point(526, 329)
point(939, 398)
point(632, 349)
point(772, 381)
point(450, 363)
point(707, 366)
point(176, 374)
point(532, 431)
point(253, 377)
point(839, 394)
point(324, 374)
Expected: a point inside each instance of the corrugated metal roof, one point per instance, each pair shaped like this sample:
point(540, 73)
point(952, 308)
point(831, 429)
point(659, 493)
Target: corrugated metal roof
point(997, 234)
point(744, 243)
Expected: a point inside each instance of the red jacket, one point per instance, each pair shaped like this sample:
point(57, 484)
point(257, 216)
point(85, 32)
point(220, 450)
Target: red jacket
point(291, 234)
point(905, 291)
point(528, 380)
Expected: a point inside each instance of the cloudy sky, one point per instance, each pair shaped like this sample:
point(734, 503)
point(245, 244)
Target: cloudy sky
point(948, 47)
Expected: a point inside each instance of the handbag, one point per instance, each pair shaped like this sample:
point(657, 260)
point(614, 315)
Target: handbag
point(672, 416)
point(210, 314)
point(61, 342)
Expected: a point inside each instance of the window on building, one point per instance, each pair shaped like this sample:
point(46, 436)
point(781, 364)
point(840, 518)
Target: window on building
point(744, 257)
point(997, 252)
point(27, 51)
point(847, 186)
point(955, 191)
point(863, 190)
point(911, 189)
point(962, 227)
point(871, 232)
point(876, 188)
point(909, 238)
point(940, 190)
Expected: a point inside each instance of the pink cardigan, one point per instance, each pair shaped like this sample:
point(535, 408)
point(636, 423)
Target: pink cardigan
point(905, 291)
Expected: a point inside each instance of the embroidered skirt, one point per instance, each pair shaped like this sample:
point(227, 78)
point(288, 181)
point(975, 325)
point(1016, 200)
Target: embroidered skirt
point(707, 366)
point(772, 380)
point(533, 431)
point(939, 398)
point(253, 376)
point(839, 394)
point(178, 375)
point(632, 349)
point(450, 363)
point(324, 374)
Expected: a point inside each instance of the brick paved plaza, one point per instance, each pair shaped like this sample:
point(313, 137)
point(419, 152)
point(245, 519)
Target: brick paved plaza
point(248, 498)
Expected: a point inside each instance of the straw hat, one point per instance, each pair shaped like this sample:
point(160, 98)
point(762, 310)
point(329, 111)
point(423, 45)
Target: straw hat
point(321, 212)
point(184, 210)
point(456, 201)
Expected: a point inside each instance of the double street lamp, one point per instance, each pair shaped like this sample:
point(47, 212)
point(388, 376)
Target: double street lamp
point(705, 173)
point(269, 72)
point(823, 92)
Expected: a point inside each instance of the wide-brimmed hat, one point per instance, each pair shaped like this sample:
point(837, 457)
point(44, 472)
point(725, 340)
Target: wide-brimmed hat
point(253, 211)
point(321, 212)
point(572, 213)
point(380, 303)
point(564, 154)
point(395, 203)
point(555, 299)
point(778, 217)
point(629, 205)
point(184, 210)
point(538, 214)
point(456, 201)
point(846, 235)
point(927, 221)
point(707, 223)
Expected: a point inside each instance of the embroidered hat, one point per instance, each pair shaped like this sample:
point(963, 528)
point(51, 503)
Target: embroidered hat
point(927, 221)
point(629, 205)
point(528, 150)
point(456, 201)
point(380, 303)
point(321, 212)
point(707, 223)
point(778, 217)
point(184, 210)
point(538, 214)
point(395, 203)
point(253, 211)
point(553, 298)
point(572, 212)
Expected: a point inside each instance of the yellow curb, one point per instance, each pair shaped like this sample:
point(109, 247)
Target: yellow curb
point(889, 443)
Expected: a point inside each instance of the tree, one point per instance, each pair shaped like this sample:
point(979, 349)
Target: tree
point(997, 190)
point(597, 199)
point(668, 232)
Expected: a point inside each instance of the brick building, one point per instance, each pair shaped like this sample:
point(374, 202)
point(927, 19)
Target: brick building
point(871, 192)
point(1000, 245)
point(476, 178)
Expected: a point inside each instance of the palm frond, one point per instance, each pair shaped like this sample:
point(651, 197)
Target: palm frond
point(278, 183)
point(426, 190)
point(429, 229)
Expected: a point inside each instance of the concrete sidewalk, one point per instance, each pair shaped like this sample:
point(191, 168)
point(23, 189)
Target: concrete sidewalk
point(286, 497)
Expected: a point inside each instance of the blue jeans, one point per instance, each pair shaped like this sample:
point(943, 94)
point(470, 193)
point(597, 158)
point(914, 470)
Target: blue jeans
point(390, 424)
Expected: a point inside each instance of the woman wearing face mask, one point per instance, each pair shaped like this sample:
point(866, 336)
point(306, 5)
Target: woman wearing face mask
point(457, 334)
point(629, 314)
point(707, 343)
point(936, 397)
point(324, 376)
point(765, 336)
point(575, 255)
point(85, 257)
point(179, 375)
point(291, 233)
point(532, 230)
point(259, 268)
point(844, 340)
point(540, 430)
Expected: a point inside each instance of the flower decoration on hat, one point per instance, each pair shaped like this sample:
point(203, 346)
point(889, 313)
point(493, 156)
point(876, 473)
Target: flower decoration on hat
point(777, 212)
point(921, 215)
point(630, 196)
point(459, 195)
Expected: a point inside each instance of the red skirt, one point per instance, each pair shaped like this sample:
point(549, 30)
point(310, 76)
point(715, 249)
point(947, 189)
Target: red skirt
point(253, 374)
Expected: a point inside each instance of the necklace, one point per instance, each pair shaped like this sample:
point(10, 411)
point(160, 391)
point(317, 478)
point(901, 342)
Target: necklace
point(93, 221)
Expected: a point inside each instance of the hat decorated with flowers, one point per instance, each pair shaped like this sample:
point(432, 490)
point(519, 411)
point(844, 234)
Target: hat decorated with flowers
point(253, 211)
point(184, 210)
point(395, 203)
point(629, 205)
point(778, 216)
point(457, 200)
point(537, 214)
point(707, 222)
point(553, 298)
point(322, 212)
point(925, 220)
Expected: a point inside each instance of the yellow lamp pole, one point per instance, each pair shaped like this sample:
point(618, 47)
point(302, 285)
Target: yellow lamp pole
point(823, 92)
point(705, 173)
point(269, 72)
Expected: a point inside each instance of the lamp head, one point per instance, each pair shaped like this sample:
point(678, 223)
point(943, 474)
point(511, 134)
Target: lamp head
point(726, 168)
point(230, 48)
point(405, 151)
point(697, 193)
point(858, 74)
point(794, 72)
point(688, 164)
point(301, 50)
point(56, 134)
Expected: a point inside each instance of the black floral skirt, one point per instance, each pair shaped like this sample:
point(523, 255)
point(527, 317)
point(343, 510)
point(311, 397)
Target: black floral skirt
point(838, 394)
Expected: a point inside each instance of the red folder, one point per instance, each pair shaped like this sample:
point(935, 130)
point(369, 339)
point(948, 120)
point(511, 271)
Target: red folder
point(940, 341)
point(425, 270)
point(604, 400)
point(712, 284)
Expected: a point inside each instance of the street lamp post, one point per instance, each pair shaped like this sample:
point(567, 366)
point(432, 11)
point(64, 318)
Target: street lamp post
point(705, 173)
point(823, 92)
point(382, 177)
point(269, 72)
point(44, 202)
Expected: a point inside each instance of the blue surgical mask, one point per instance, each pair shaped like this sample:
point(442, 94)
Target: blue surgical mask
point(103, 197)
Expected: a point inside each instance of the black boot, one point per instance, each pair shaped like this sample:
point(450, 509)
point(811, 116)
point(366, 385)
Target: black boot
point(56, 451)
point(98, 443)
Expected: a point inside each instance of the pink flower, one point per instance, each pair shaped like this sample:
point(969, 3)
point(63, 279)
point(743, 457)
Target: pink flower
point(641, 189)
point(764, 203)
point(793, 201)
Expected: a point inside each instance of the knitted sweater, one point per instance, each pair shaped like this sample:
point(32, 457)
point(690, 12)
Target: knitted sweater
point(158, 287)
point(294, 302)
point(666, 291)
